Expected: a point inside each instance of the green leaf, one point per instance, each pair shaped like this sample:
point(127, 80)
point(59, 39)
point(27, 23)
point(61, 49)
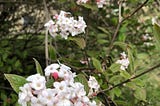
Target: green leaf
point(93, 53)
point(97, 64)
point(15, 81)
point(131, 85)
point(121, 45)
point(125, 74)
point(79, 41)
point(83, 80)
point(115, 67)
point(139, 82)
point(52, 52)
point(122, 103)
point(140, 94)
point(117, 92)
point(38, 67)
point(156, 31)
point(131, 59)
point(122, 37)
point(92, 7)
point(103, 30)
point(3, 96)
point(115, 79)
point(49, 83)
point(17, 63)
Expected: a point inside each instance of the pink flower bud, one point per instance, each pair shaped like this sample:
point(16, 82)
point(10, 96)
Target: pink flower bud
point(55, 75)
point(94, 94)
point(97, 0)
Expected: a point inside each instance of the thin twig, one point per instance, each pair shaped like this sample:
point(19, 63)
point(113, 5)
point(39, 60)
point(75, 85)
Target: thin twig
point(124, 19)
point(130, 79)
point(46, 48)
point(46, 34)
point(136, 10)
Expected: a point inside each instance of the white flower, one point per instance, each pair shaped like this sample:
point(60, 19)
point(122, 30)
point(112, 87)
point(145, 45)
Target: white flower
point(35, 102)
point(123, 55)
point(93, 84)
point(25, 94)
point(36, 77)
point(51, 69)
point(37, 82)
point(79, 89)
point(62, 66)
point(64, 25)
point(124, 61)
point(64, 102)
point(93, 103)
point(100, 3)
point(47, 97)
point(49, 23)
point(63, 93)
point(61, 87)
point(148, 44)
point(82, 1)
point(154, 20)
point(52, 27)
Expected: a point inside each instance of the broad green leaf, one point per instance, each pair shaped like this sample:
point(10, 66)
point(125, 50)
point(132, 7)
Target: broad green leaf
point(143, 56)
point(101, 36)
point(140, 94)
point(104, 30)
point(122, 37)
point(131, 59)
point(156, 31)
point(92, 7)
point(38, 67)
point(115, 67)
point(93, 53)
point(121, 45)
point(97, 64)
point(52, 52)
point(15, 81)
point(17, 63)
point(49, 83)
point(102, 41)
point(121, 103)
point(117, 92)
point(83, 80)
point(131, 85)
point(79, 41)
point(125, 74)
point(115, 79)
point(138, 82)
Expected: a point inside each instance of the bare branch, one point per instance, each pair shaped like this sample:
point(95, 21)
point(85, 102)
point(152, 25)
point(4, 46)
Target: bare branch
point(130, 79)
point(46, 34)
point(122, 20)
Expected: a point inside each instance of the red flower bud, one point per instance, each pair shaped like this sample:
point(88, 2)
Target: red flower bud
point(55, 75)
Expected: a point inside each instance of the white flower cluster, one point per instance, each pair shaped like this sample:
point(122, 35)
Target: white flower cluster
point(146, 37)
point(147, 40)
point(124, 61)
point(100, 3)
point(64, 92)
point(82, 1)
point(65, 25)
